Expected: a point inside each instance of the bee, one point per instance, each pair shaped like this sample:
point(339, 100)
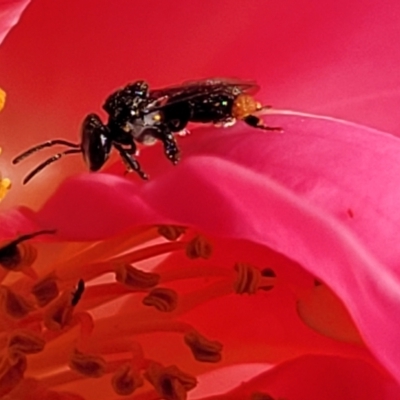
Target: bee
point(137, 114)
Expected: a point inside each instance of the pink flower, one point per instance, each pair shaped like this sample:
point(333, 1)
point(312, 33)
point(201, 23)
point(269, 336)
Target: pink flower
point(263, 258)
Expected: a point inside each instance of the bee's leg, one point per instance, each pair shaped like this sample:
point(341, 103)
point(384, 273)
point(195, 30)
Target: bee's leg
point(256, 122)
point(130, 162)
point(171, 149)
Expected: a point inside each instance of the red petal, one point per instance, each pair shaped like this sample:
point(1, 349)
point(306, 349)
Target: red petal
point(10, 13)
point(308, 378)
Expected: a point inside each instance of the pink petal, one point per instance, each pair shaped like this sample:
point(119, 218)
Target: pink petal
point(312, 378)
point(292, 195)
point(10, 13)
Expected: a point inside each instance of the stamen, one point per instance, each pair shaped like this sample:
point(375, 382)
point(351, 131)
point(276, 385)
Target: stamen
point(170, 382)
point(45, 290)
point(250, 279)
point(135, 278)
point(165, 300)
point(198, 247)
point(125, 380)
point(88, 365)
point(171, 232)
point(26, 342)
point(13, 304)
point(204, 350)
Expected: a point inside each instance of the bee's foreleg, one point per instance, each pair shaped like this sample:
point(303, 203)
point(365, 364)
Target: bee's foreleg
point(130, 162)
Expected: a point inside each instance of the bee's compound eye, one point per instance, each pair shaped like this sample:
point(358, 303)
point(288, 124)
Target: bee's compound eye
point(95, 142)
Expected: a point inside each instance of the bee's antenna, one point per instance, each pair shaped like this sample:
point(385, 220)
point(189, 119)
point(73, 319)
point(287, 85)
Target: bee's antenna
point(41, 146)
point(49, 161)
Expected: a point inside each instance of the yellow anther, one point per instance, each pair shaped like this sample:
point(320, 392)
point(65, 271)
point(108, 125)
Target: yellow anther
point(134, 278)
point(163, 299)
point(204, 350)
point(2, 98)
point(126, 380)
point(88, 365)
point(5, 186)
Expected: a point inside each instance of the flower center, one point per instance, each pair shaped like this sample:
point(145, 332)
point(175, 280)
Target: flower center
point(84, 314)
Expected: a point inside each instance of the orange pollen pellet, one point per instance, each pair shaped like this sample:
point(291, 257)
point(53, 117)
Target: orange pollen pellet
point(244, 105)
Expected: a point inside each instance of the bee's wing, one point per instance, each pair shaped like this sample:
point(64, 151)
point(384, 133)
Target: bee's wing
point(194, 89)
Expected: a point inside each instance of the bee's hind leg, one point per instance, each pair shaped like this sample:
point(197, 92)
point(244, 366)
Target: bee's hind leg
point(171, 149)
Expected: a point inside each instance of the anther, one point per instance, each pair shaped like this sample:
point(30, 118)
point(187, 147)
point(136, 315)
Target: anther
point(269, 274)
point(16, 254)
point(170, 382)
point(163, 299)
point(45, 290)
point(248, 279)
point(198, 247)
point(26, 342)
point(13, 304)
point(88, 365)
point(11, 372)
point(136, 279)
point(125, 380)
point(171, 232)
point(59, 313)
point(13, 257)
point(203, 350)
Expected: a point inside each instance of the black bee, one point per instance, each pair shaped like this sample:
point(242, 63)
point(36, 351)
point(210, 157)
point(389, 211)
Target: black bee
point(138, 114)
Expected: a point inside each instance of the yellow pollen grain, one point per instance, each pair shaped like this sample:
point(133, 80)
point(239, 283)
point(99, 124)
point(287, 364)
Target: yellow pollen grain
point(2, 98)
point(5, 186)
